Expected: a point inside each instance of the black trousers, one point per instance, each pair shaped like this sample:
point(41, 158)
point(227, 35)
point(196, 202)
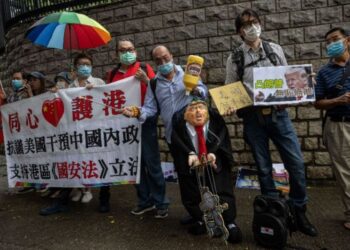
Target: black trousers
point(190, 194)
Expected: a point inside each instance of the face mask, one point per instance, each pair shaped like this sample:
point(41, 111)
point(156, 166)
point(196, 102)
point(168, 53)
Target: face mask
point(165, 69)
point(17, 84)
point(336, 49)
point(61, 84)
point(84, 70)
point(252, 33)
point(127, 58)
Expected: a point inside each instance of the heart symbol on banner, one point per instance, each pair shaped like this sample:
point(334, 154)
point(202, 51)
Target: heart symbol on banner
point(53, 111)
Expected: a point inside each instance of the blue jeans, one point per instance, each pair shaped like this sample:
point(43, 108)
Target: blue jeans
point(151, 190)
point(258, 129)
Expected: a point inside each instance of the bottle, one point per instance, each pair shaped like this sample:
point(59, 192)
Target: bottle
point(192, 72)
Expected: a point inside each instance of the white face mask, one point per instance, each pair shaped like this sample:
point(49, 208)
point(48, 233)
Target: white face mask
point(252, 33)
point(61, 84)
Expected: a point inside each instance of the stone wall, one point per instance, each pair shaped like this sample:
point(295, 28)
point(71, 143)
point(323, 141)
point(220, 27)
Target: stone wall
point(206, 28)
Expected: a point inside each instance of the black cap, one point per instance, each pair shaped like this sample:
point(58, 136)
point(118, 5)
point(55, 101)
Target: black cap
point(36, 74)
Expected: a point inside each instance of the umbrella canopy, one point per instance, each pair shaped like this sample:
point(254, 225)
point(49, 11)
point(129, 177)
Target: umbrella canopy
point(68, 30)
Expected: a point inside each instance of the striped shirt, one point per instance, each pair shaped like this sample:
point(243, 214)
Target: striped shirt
point(171, 96)
point(327, 78)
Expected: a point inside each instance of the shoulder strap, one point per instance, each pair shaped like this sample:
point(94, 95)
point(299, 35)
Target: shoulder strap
point(270, 53)
point(237, 57)
point(153, 84)
point(113, 72)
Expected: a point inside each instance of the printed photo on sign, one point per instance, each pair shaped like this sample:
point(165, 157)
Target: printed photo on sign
point(248, 178)
point(291, 84)
point(74, 138)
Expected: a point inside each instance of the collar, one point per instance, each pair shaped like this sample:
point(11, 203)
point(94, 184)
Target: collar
point(192, 130)
point(246, 48)
point(88, 80)
point(178, 69)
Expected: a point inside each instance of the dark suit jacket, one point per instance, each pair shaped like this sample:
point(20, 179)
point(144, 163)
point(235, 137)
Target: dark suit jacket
point(218, 142)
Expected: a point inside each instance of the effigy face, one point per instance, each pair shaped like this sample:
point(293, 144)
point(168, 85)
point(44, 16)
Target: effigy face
point(196, 114)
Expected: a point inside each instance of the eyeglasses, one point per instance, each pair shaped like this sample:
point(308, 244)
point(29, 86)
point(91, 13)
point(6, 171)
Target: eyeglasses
point(131, 49)
point(250, 23)
point(333, 39)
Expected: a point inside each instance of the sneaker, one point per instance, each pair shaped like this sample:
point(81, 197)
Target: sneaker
point(76, 195)
point(55, 194)
point(141, 210)
point(42, 190)
point(25, 190)
point(235, 234)
point(161, 213)
point(47, 193)
point(187, 220)
point(104, 207)
point(87, 197)
point(197, 229)
point(54, 209)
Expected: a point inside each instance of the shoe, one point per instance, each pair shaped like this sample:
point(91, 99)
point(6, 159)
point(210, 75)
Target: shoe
point(303, 223)
point(42, 190)
point(141, 210)
point(87, 197)
point(347, 225)
point(235, 234)
point(25, 190)
point(104, 207)
point(54, 209)
point(47, 193)
point(55, 194)
point(161, 213)
point(187, 220)
point(197, 229)
point(76, 195)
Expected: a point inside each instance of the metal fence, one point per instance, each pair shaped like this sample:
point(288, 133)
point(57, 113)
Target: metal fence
point(16, 11)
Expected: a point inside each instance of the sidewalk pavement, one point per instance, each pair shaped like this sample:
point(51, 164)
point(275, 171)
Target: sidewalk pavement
point(21, 226)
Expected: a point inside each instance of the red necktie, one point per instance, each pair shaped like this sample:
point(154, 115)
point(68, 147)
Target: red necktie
point(202, 147)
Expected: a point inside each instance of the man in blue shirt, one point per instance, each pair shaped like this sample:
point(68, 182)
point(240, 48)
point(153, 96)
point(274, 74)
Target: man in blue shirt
point(333, 95)
point(170, 94)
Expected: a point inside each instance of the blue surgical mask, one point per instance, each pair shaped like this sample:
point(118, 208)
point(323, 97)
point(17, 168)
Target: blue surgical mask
point(17, 84)
point(336, 49)
point(166, 68)
point(84, 70)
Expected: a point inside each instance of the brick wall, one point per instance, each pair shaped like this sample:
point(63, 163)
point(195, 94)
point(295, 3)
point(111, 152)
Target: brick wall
point(206, 28)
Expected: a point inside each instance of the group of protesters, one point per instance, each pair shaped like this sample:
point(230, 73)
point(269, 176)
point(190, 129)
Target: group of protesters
point(163, 94)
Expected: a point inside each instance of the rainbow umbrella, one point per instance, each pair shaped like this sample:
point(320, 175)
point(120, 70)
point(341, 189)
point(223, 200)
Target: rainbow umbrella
point(68, 30)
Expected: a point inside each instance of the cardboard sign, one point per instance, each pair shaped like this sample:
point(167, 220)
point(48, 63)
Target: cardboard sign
point(230, 95)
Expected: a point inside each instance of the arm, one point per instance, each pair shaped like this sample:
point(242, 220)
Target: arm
point(202, 89)
point(231, 71)
point(322, 102)
point(281, 55)
point(149, 107)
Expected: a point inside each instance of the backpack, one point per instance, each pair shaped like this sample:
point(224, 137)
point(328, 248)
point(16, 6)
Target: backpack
point(237, 57)
point(114, 71)
point(273, 218)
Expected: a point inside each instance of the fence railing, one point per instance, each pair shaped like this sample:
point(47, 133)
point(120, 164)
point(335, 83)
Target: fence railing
point(16, 11)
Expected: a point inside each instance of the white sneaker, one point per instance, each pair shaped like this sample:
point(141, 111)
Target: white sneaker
point(87, 197)
point(76, 195)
